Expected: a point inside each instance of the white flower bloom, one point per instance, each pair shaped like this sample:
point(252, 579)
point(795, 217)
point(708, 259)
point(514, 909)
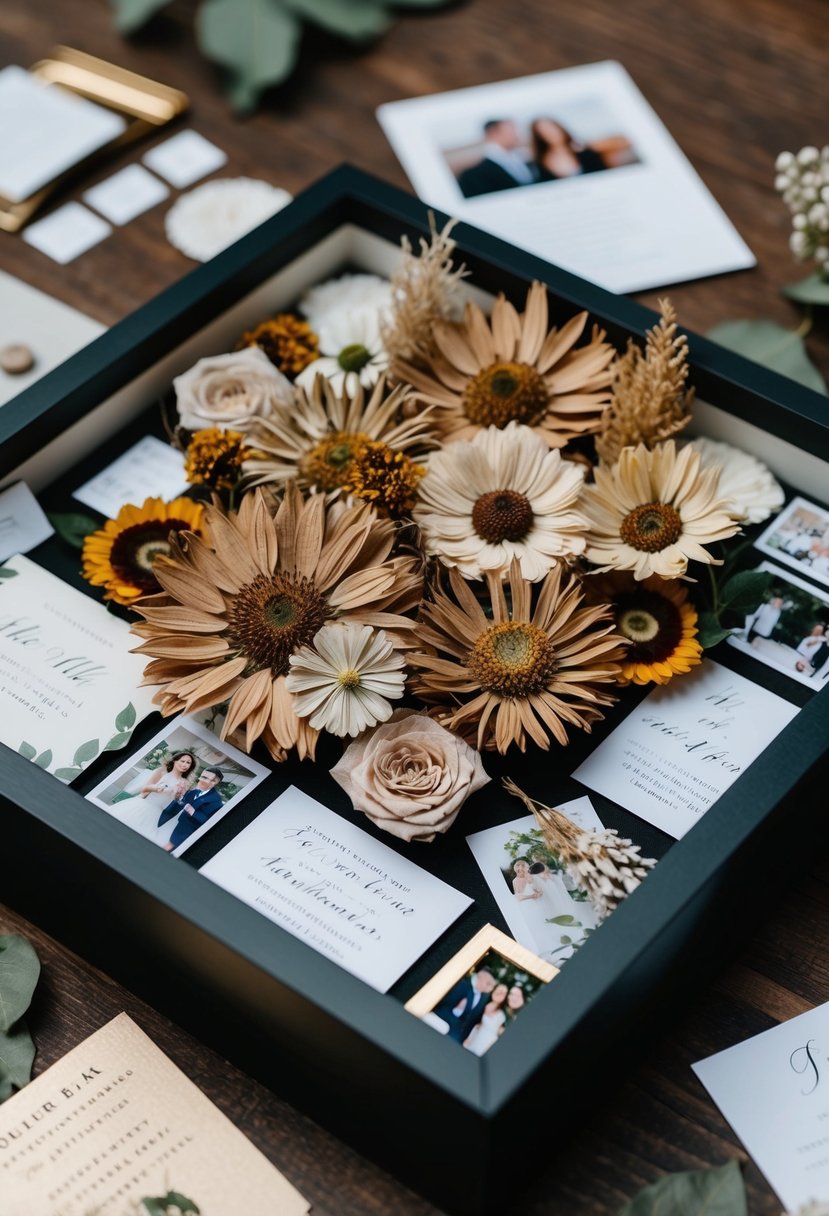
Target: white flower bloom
point(364, 292)
point(784, 160)
point(807, 155)
point(345, 680)
point(745, 483)
point(501, 495)
point(351, 351)
point(230, 391)
point(206, 220)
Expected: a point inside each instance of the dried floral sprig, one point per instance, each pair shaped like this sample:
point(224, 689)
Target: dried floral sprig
point(803, 182)
point(607, 865)
point(650, 399)
point(425, 288)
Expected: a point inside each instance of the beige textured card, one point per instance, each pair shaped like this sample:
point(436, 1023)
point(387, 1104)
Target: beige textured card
point(115, 1122)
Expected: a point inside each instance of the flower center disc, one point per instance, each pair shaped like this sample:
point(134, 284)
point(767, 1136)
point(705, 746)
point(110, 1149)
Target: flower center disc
point(135, 550)
point(272, 616)
point(651, 527)
point(651, 623)
point(513, 659)
point(504, 392)
point(353, 358)
point(328, 463)
point(502, 515)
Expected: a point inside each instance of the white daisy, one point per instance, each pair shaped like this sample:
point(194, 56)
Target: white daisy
point(344, 680)
point(361, 292)
point(351, 351)
point(501, 495)
point(745, 483)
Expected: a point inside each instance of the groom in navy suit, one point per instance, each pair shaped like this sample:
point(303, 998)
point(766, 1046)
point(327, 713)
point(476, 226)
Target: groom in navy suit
point(463, 1006)
point(194, 808)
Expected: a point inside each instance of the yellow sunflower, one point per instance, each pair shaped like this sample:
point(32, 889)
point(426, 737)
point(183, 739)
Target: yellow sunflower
point(120, 555)
point(513, 369)
point(657, 620)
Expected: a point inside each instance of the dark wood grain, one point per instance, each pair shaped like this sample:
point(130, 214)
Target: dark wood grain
point(735, 84)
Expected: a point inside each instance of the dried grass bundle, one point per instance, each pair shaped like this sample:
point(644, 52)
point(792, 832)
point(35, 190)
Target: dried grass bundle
point(425, 289)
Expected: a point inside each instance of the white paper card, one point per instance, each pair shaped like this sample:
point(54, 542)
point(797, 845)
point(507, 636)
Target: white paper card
point(150, 469)
point(538, 921)
point(67, 233)
point(68, 683)
point(338, 889)
point(774, 1091)
point(23, 523)
point(46, 130)
point(684, 745)
point(645, 220)
point(184, 158)
point(126, 194)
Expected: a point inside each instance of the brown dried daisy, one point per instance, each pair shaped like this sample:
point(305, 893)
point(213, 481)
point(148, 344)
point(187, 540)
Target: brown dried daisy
point(239, 602)
point(523, 672)
point(512, 369)
point(214, 458)
point(287, 340)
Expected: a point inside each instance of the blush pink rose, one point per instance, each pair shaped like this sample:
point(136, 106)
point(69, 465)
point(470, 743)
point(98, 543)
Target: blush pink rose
point(410, 775)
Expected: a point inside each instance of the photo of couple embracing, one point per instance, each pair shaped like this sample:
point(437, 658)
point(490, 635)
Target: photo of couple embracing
point(485, 1003)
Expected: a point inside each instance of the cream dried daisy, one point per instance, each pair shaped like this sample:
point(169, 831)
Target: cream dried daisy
point(317, 438)
point(507, 672)
point(501, 495)
point(351, 351)
point(746, 484)
point(255, 589)
point(654, 511)
point(346, 679)
point(513, 369)
point(349, 292)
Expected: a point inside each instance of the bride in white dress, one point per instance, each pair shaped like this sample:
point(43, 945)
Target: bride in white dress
point(482, 1036)
point(543, 898)
point(166, 783)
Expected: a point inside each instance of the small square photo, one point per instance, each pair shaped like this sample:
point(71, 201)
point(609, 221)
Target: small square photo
point(183, 782)
point(480, 993)
point(789, 630)
point(799, 537)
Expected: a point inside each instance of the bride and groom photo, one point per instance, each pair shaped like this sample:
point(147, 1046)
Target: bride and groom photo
point(484, 1003)
point(183, 782)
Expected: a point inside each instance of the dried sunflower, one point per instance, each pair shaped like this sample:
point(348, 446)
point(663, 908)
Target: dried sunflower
point(523, 672)
point(255, 590)
point(511, 369)
point(120, 555)
point(657, 620)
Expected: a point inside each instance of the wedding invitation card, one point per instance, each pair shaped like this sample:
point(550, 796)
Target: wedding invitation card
point(69, 687)
point(150, 469)
point(774, 1091)
point(23, 523)
point(684, 745)
point(114, 1123)
point(338, 889)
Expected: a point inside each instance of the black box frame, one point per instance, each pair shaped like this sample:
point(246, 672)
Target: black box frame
point(349, 1056)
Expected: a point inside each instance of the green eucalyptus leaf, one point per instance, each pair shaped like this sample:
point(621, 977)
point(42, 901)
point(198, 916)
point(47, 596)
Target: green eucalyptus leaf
point(7, 572)
point(710, 631)
point(256, 40)
point(73, 528)
point(714, 1192)
point(126, 718)
point(87, 751)
point(185, 1206)
point(130, 15)
point(117, 741)
point(19, 973)
point(27, 751)
point(17, 1054)
point(356, 20)
point(566, 919)
point(44, 759)
point(744, 591)
point(771, 345)
point(154, 1207)
point(565, 940)
point(67, 774)
point(814, 289)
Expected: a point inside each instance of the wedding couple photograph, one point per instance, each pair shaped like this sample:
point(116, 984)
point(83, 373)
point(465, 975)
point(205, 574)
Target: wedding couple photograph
point(484, 1003)
point(181, 785)
point(799, 537)
point(789, 630)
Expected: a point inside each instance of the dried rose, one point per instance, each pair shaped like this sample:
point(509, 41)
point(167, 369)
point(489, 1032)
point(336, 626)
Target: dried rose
point(410, 775)
point(230, 391)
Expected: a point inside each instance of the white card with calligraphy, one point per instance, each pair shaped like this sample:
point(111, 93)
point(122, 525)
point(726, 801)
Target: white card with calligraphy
point(684, 745)
point(338, 889)
point(69, 687)
point(774, 1091)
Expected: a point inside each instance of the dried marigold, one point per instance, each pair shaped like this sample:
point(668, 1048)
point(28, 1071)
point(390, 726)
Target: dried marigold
point(214, 458)
point(287, 340)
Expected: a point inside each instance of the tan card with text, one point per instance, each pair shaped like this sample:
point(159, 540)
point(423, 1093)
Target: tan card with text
point(115, 1122)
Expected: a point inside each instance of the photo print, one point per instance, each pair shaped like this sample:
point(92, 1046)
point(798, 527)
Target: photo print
point(479, 994)
point(544, 908)
point(789, 631)
point(179, 786)
point(799, 537)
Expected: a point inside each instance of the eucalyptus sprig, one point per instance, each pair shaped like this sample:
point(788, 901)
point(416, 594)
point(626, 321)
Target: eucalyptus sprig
point(712, 1192)
point(19, 973)
point(171, 1204)
point(730, 594)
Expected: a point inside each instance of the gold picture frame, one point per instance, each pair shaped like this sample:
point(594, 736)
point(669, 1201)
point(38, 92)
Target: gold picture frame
point(486, 941)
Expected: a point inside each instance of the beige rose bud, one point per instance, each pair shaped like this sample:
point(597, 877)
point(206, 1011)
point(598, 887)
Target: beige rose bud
point(410, 775)
point(231, 391)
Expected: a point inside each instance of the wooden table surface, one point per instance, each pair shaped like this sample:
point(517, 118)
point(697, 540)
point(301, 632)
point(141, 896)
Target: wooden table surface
point(735, 84)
